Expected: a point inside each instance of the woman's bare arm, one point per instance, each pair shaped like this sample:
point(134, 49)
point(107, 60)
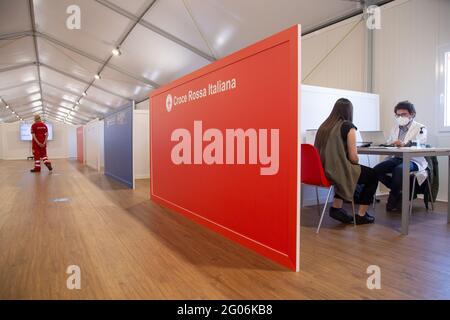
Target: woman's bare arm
point(351, 146)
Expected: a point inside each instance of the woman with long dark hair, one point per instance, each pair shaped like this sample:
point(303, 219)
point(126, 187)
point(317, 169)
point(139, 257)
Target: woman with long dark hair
point(336, 143)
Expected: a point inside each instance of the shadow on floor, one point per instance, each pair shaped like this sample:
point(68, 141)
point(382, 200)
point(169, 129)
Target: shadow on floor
point(196, 244)
point(98, 178)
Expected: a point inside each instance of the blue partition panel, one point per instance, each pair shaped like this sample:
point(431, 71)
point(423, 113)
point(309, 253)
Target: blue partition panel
point(119, 145)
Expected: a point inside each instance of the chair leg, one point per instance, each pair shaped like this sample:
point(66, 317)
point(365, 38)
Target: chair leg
point(324, 208)
point(317, 196)
point(354, 213)
point(317, 201)
point(375, 196)
point(431, 195)
point(412, 195)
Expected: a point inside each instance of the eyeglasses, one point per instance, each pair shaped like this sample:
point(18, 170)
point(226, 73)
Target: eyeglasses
point(403, 115)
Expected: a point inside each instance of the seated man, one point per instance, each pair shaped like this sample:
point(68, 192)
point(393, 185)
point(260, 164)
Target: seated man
point(389, 171)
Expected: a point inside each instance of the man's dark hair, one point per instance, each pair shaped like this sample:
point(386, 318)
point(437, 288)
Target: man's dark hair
point(405, 105)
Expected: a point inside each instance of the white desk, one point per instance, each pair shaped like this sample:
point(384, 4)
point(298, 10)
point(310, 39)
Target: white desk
point(407, 154)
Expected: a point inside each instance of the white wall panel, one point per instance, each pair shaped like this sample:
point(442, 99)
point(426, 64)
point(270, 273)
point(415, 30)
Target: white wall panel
point(72, 141)
point(101, 146)
point(144, 105)
point(141, 149)
point(15, 149)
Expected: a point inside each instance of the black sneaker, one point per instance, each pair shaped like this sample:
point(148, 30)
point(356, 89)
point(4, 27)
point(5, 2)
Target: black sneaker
point(367, 218)
point(394, 203)
point(49, 166)
point(392, 207)
point(340, 215)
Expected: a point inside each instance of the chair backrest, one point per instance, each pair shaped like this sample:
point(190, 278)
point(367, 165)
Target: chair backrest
point(312, 169)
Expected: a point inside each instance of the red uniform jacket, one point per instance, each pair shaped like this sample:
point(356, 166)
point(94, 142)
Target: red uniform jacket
point(40, 130)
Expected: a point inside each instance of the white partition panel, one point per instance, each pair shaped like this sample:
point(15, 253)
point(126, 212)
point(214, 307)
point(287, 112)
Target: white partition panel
point(101, 146)
point(1, 141)
point(72, 142)
point(316, 105)
point(93, 137)
point(141, 152)
point(91, 144)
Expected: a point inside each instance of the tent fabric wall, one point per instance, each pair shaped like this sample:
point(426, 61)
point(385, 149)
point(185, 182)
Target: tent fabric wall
point(345, 67)
point(141, 153)
point(118, 142)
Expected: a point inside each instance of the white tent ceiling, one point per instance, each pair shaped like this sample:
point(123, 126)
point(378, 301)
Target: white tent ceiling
point(46, 67)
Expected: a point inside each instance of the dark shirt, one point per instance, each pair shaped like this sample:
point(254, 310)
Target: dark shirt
point(345, 129)
point(403, 130)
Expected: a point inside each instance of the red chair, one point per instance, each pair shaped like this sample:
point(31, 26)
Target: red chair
point(313, 174)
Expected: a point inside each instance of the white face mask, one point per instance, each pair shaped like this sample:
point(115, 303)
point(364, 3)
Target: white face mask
point(403, 121)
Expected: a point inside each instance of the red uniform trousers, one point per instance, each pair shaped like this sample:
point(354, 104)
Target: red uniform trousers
point(39, 153)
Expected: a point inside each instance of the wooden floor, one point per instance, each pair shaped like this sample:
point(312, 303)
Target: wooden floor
point(130, 248)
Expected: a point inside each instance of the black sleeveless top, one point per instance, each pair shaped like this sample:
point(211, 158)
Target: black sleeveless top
point(345, 129)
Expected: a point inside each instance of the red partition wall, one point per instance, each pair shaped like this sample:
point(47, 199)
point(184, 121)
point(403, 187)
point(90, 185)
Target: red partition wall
point(80, 144)
point(224, 146)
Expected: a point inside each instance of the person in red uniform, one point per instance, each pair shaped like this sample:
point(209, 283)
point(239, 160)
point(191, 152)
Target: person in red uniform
point(39, 132)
